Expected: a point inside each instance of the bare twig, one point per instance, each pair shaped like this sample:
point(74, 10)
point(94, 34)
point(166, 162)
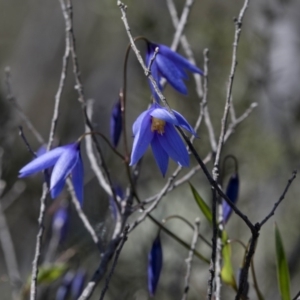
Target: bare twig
point(180, 24)
point(189, 260)
point(117, 254)
point(67, 10)
point(290, 181)
point(8, 246)
point(38, 245)
point(152, 59)
point(90, 153)
point(189, 53)
point(80, 212)
point(63, 75)
point(22, 135)
point(297, 297)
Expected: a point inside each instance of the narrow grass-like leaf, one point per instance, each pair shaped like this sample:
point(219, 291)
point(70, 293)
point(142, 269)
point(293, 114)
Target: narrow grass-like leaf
point(283, 274)
point(202, 205)
point(227, 273)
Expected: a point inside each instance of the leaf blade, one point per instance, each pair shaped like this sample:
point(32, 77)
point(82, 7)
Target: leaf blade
point(283, 275)
point(201, 203)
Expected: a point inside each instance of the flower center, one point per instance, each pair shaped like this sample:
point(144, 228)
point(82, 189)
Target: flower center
point(158, 125)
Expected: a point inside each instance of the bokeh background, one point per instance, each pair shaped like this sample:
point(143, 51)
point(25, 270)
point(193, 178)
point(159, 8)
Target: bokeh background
point(32, 40)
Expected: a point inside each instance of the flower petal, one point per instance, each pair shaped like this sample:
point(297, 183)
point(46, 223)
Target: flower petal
point(77, 179)
point(137, 124)
point(171, 72)
point(163, 114)
point(56, 190)
point(178, 59)
point(42, 162)
point(116, 124)
point(142, 139)
point(182, 122)
point(64, 165)
point(174, 146)
point(160, 155)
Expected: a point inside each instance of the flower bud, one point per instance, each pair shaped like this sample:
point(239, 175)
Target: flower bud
point(232, 192)
point(116, 124)
point(155, 261)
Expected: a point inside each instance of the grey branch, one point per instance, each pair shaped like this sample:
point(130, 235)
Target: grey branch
point(189, 260)
point(8, 246)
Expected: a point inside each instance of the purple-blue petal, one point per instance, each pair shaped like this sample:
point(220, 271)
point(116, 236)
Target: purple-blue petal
point(184, 123)
point(174, 146)
point(160, 155)
point(142, 139)
point(178, 59)
point(64, 165)
point(163, 114)
point(42, 162)
point(56, 190)
point(171, 72)
point(137, 124)
point(77, 179)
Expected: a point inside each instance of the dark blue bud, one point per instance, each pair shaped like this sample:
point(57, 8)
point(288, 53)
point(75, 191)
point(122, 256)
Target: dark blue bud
point(116, 124)
point(155, 261)
point(60, 223)
point(63, 290)
point(232, 192)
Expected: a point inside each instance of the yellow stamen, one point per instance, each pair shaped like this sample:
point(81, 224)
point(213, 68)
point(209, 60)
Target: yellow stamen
point(158, 125)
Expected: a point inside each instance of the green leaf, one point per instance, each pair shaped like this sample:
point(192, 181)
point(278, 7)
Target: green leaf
point(202, 205)
point(283, 275)
point(227, 273)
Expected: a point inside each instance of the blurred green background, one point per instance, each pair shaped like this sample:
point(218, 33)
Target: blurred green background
point(32, 40)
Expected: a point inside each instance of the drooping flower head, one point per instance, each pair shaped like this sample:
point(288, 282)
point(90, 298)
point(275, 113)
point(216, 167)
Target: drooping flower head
point(155, 126)
point(170, 65)
point(232, 192)
point(66, 161)
point(155, 261)
point(116, 124)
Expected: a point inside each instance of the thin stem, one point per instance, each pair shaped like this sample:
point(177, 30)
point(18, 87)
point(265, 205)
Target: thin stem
point(38, 245)
point(7, 245)
point(117, 254)
point(290, 181)
point(189, 224)
point(189, 260)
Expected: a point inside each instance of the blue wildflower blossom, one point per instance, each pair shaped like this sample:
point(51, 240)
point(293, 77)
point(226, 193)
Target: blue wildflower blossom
point(232, 192)
point(155, 261)
point(155, 126)
point(116, 124)
point(66, 161)
point(170, 65)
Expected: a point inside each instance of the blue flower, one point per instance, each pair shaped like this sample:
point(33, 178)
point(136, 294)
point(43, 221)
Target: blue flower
point(116, 124)
point(171, 66)
point(155, 261)
point(232, 192)
point(66, 161)
point(155, 126)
